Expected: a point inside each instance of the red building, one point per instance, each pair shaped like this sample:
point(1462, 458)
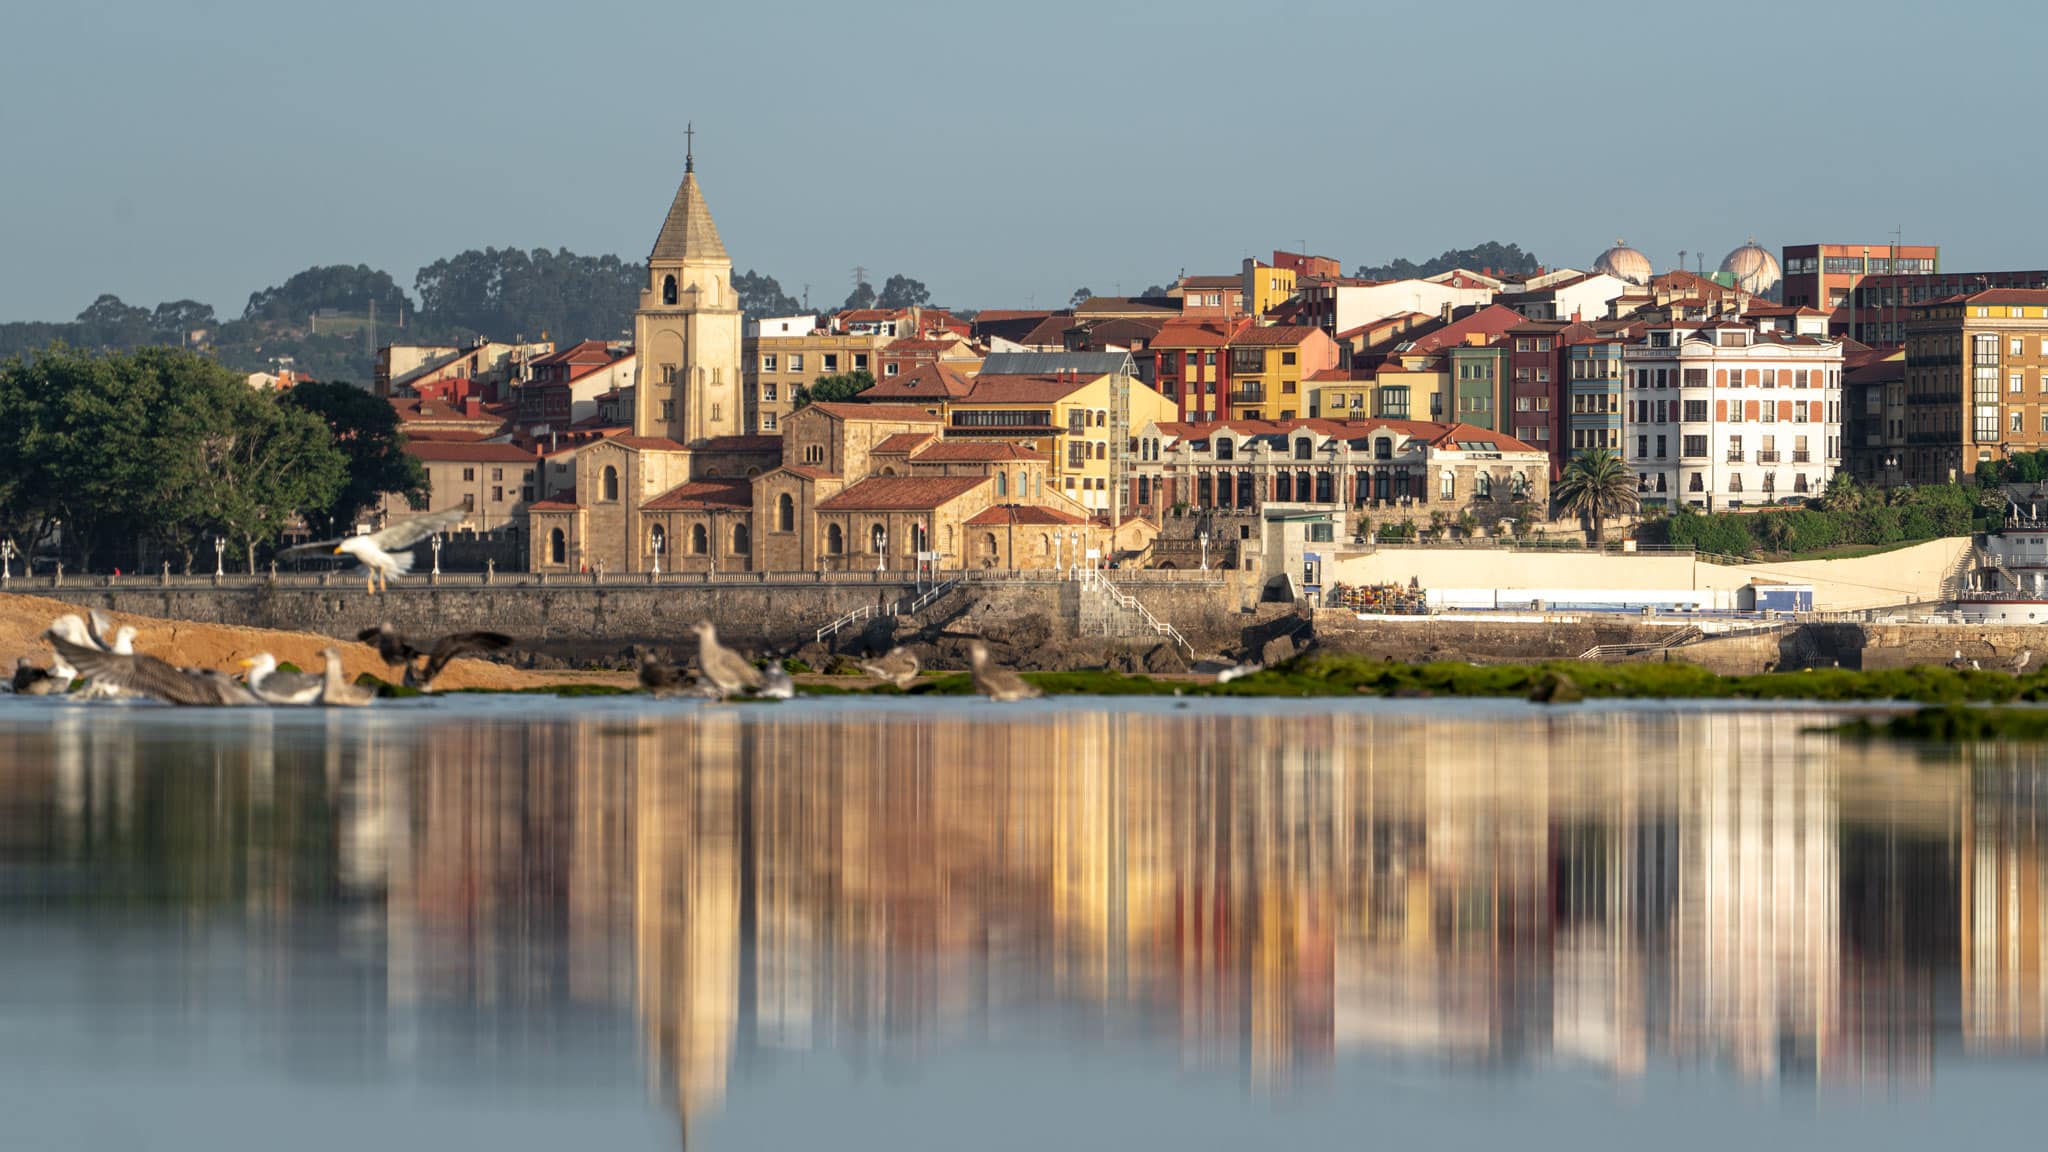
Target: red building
point(1823, 275)
point(1190, 368)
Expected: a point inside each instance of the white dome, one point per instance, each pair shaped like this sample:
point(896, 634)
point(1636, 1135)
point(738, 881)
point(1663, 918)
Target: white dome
point(1754, 270)
point(1624, 263)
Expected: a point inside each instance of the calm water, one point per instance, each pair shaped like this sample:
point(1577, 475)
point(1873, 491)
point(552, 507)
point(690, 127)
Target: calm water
point(519, 924)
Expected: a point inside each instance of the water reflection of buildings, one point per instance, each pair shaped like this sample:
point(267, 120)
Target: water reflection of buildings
point(1267, 889)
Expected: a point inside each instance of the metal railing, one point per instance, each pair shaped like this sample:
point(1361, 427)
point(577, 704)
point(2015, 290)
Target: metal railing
point(1685, 635)
point(1093, 578)
point(910, 607)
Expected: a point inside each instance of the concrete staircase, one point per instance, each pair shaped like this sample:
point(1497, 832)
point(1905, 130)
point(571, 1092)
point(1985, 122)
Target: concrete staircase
point(1106, 610)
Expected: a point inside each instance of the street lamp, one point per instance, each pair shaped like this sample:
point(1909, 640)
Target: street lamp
point(435, 542)
point(220, 551)
point(6, 560)
point(1203, 536)
point(656, 542)
point(881, 548)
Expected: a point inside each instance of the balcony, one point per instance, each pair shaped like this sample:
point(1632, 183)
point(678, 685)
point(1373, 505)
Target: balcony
point(1248, 395)
point(1735, 455)
point(1767, 456)
point(1801, 456)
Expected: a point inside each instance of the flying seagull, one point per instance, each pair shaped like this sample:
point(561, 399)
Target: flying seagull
point(274, 687)
point(898, 666)
point(999, 684)
point(776, 684)
point(94, 636)
point(395, 649)
point(337, 692)
point(383, 553)
point(146, 675)
point(721, 667)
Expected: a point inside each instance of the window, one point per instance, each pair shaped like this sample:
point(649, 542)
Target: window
point(700, 540)
point(742, 540)
point(814, 454)
point(2017, 420)
point(891, 368)
point(1695, 411)
point(1225, 449)
point(1521, 404)
point(1482, 486)
point(2018, 344)
point(768, 393)
point(497, 473)
point(1446, 485)
point(1642, 446)
point(668, 373)
point(1304, 449)
point(785, 513)
point(668, 290)
point(767, 361)
point(1694, 447)
point(1287, 358)
point(1695, 483)
point(610, 483)
point(558, 547)
point(668, 411)
point(468, 475)
point(1800, 409)
point(1663, 449)
point(657, 538)
point(2013, 384)
point(1543, 403)
point(1695, 378)
point(1543, 375)
point(835, 539)
point(498, 493)
point(860, 361)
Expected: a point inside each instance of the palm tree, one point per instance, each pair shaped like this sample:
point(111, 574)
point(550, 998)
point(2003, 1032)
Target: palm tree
point(1595, 485)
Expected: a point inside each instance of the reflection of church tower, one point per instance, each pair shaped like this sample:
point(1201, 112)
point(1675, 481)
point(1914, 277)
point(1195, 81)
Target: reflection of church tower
point(686, 332)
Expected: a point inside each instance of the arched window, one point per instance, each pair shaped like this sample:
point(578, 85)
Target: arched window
point(558, 547)
point(814, 454)
point(1044, 544)
point(1102, 451)
point(657, 538)
point(1518, 484)
point(1482, 486)
point(700, 540)
point(920, 540)
point(611, 483)
point(1447, 485)
point(1225, 450)
point(1002, 484)
point(1383, 448)
point(668, 289)
point(785, 513)
point(988, 545)
point(1304, 449)
point(835, 540)
point(742, 542)
point(878, 538)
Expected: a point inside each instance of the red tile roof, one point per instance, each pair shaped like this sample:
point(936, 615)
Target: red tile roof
point(1276, 336)
point(1051, 330)
point(1194, 334)
point(807, 472)
point(448, 435)
point(1002, 514)
point(901, 493)
point(585, 352)
point(1042, 388)
point(902, 443)
point(650, 443)
point(2035, 296)
point(470, 453)
point(876, 412)
point(704, 494)
point(975, 452)
point(1212, 281)
point(922, 382)
point(921, 344)
point(1430, 432)
point(992, 315)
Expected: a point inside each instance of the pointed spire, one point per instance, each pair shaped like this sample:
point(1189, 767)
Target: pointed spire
point(688, 233)
point(689, 146)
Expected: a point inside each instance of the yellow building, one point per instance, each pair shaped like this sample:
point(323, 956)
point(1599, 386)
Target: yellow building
point(1393, 392)
point(1266, 287)
point(1976, 382)
point(1268, 366)
point(785, 354)
point(1071, 414)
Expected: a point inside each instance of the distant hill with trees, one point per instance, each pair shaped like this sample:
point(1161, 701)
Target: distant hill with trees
point(1492, 254)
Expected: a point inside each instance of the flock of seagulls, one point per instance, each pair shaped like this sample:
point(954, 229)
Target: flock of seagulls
point(86, 648)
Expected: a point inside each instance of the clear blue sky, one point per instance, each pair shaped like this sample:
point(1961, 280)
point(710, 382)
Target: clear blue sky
point(1004, 154)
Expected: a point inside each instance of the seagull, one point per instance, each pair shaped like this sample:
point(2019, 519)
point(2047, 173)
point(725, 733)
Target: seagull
point(30, 680)
point(336, 692)
point(898, 666)
point(721, 667)
point(1956, 662)
point(1239, 671)
point(92, 636)
point(274, 687)
point(146, 675)
point(999, 684)
point(396, 649)
point(659, 678)
point(383, 553)
point(776, 684)
point(2019, 664)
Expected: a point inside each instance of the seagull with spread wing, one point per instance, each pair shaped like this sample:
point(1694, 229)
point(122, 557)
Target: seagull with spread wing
point(146, 675)
point(384, 553)
point(394, 649)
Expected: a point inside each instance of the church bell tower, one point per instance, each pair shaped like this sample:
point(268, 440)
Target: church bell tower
point(686, 332)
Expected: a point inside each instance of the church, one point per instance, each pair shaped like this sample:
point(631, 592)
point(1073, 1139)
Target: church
point(844, 487)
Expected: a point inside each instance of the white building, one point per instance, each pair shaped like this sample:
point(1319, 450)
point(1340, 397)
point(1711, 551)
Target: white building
point(781, 326)
point(1341, 305)
point(1717, 415)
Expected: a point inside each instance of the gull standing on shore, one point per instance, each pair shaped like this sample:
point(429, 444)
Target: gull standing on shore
point(998, 684)
point(274, 687)
point(898, 666)
point(721, 667)
point(337, 692)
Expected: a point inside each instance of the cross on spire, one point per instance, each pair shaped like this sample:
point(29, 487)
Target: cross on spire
point(690, 146)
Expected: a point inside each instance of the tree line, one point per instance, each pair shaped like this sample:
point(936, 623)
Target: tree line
point(321, 319)
point(110, 458)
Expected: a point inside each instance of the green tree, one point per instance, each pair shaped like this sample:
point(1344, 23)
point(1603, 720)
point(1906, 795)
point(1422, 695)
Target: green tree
point(342, 287)
point(760, 295)
point(1493, 254)
point(1596, 484)
point(1082, 296)
point(862, 296)
point(831, 389)
point(900, 291)
point(246, 465)
point(365, 430)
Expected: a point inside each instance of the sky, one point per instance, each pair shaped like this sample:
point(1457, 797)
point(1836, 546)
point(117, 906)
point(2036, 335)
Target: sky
point(1003, 154)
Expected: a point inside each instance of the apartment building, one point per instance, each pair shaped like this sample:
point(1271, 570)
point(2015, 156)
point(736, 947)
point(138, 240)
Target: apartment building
point(781, 354)
point(1976, 382)
point(1717, 415)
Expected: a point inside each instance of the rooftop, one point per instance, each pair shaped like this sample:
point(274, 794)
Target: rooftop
point(704, 494)
point(901, 493)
